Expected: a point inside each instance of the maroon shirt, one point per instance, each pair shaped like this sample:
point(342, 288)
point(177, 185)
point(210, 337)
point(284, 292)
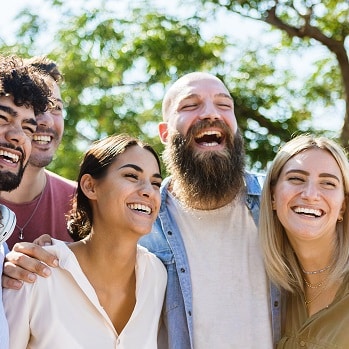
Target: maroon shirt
point(50, 210)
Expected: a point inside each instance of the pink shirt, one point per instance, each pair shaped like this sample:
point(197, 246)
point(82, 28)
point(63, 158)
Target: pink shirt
point(49, 216)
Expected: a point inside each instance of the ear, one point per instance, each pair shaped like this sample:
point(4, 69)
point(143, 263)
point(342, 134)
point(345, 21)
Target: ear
point(342, 211)
point(163, 131)
point(87, 184)
point(273, 203)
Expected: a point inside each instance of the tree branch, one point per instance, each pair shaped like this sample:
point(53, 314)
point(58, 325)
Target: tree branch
point(335, 46)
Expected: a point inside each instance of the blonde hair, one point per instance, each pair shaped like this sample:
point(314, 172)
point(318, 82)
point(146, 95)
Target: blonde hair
point(280, 260)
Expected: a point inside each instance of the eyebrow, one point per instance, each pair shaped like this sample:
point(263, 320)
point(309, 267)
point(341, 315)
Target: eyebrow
point(10, 111)
point(322, 175)
point(57, 99)
point(137, 168)
point(195, 95)
point(31, 121)
point(224, 95)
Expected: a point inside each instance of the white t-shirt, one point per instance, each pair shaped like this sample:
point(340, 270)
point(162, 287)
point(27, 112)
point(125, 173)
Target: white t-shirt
point(63, 311)
point(229, 283)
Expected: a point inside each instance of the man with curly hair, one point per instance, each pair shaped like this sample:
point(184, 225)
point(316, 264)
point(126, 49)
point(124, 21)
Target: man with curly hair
point(42, 190)
point(23, 95)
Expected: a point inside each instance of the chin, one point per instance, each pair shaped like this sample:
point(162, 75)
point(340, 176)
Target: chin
point(210, 151)
point(143, 230)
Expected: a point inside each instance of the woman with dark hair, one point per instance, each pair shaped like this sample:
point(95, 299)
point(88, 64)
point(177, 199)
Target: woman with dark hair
point(108, 291)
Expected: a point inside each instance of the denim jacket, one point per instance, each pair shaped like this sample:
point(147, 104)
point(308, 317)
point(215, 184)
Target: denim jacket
point(166, 242)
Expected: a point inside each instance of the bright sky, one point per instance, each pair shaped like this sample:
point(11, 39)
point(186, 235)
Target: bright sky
point(233, 25)
point(221, 25)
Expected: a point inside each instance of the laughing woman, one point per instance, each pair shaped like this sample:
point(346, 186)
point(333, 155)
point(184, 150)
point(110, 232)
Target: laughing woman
point(304, 227)
point(108, 291)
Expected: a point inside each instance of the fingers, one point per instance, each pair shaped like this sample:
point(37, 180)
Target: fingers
point(28, 256)
point(13, 276)
point(24, 268)
point(24, 262)
point(8, 282)
point(43, 240)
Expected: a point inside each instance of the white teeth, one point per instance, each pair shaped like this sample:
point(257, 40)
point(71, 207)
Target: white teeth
point(312, 211)
point(44, 139)
point(213, 144)
point(10, 156)
point(209, 133)
point(140, 207)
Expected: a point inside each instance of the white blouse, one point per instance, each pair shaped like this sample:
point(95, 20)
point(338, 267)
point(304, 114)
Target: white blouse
point(3, 322)
point(63, 311)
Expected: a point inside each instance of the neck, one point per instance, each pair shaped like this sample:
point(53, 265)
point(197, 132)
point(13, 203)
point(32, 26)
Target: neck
point(32, 184)
point(106, 255)
point(316, 258)
point(315, 255)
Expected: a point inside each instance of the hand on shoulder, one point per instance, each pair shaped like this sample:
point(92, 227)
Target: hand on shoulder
point(25, 262)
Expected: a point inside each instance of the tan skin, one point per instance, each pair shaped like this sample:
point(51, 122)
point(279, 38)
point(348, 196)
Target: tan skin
point(50, 124)
point(107, 255)
point(17, 126)
point(309, 200)
point(190, 100)
point(117, 296)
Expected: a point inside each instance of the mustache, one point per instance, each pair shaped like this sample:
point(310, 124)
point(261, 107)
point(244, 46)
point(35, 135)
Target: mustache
point(48, 131)
point(11, 146)
point(210, 177)
point(201, 125)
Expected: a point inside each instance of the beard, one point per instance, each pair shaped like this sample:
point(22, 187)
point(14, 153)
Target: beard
point(10, 181)
point(208, 179)
point(40, 161)
point(40, 158)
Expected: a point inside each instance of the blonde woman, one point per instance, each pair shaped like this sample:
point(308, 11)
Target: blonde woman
point(305, 237)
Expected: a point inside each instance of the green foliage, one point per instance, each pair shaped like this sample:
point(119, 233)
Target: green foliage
point(117, 64)
point(306, 25)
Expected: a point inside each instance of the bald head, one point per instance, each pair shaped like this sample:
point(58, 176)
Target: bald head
point(201, 141)
point(182, 87)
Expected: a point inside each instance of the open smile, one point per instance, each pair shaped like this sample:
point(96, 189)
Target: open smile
point(140, 208)
point(42, 139)
point(311, 212)
point(9, 156)
point(209, 138)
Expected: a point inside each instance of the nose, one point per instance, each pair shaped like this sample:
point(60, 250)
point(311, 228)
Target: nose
point(146, 189)
point(210, 112)
point(310, 191)
point(45, 119)
point(16, 135)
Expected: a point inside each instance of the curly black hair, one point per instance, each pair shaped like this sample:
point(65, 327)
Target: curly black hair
point(25, 83)
point(48, 66)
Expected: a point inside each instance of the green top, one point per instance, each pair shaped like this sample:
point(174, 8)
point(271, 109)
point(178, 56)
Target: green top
point(327, 329)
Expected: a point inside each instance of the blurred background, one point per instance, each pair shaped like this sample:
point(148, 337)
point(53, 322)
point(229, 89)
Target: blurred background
point(285, 63)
